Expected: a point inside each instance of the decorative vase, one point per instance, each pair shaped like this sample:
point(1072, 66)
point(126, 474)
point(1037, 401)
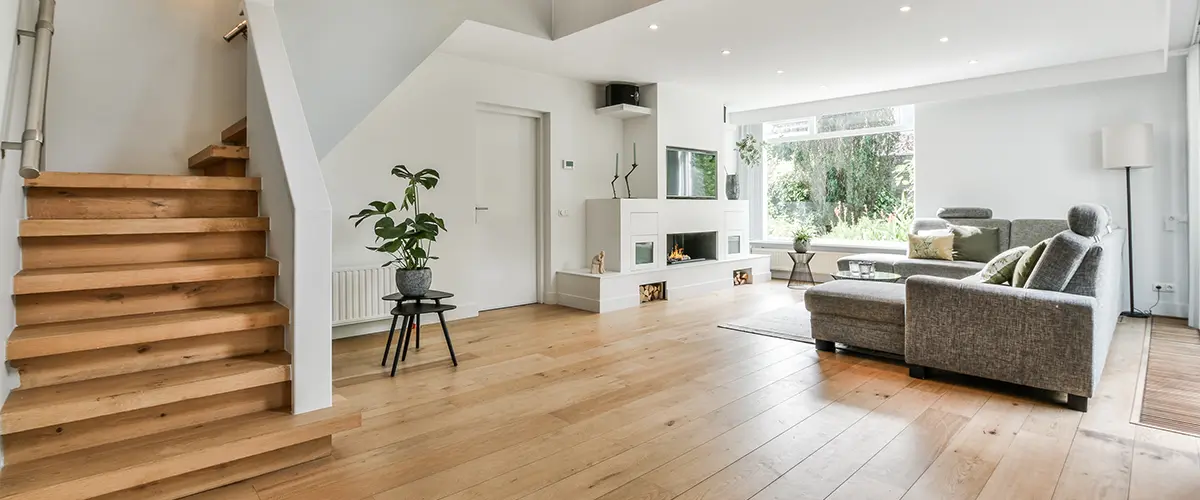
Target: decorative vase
point(413, 282)
point(731, 187)
point(801, 246)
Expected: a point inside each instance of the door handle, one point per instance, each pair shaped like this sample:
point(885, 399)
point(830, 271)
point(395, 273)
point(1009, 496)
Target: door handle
point(480, 208)
point(477, 210)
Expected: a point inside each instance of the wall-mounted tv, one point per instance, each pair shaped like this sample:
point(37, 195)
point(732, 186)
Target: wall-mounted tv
point(691, 174)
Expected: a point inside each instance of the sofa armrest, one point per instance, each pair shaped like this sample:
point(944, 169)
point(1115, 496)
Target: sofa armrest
point(1030, 337)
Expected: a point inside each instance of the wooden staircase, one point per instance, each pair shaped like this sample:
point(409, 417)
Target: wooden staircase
point(149, 346)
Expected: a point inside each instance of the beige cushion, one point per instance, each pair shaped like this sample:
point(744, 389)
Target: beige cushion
point(1001, 268)
point(934, 246)
point(1026, 264)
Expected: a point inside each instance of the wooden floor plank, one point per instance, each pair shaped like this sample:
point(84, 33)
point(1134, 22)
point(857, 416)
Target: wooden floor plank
point(657, 402)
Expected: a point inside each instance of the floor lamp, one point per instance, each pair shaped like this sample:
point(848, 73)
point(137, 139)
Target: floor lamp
point(1129, 147)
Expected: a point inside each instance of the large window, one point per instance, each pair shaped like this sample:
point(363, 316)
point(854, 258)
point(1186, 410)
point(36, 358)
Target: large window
point(847, 176)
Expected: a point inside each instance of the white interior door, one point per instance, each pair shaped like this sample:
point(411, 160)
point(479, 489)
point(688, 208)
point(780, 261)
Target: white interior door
point(506, 153)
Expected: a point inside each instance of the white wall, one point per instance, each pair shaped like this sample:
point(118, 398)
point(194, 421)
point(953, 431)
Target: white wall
point(15, 63)
point(138, 86)
point(428, 122)
point(295, 198)
point(690, 119)
point(349, 55)
point(1035, 154)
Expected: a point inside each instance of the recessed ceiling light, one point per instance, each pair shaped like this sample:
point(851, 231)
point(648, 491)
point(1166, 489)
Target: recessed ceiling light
point(726, 52)
point(972, 61)
point(653, 27)
point(780, 72)
point(905, 8)
point(944, 39)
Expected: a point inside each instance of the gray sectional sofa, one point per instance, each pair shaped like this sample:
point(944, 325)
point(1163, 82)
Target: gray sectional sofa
point(1054, 338)
point(1013, 233)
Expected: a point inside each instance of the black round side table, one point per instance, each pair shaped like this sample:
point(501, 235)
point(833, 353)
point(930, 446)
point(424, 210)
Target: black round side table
point(434, 295)
point(801, 273)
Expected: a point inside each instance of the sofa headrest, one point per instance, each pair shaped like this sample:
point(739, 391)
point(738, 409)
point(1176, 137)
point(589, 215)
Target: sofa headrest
point(1088, 219)
point(964, 213)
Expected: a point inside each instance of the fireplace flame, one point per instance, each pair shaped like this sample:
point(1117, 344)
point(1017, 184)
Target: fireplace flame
point(677, 254)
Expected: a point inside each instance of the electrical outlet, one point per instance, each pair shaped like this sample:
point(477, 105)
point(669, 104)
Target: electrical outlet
point(1164, 287)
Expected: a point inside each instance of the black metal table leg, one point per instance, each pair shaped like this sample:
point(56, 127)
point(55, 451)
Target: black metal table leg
point(401, 345)
point(446, 332)
point(408, 334)
point(418, 343)
point(388, 346)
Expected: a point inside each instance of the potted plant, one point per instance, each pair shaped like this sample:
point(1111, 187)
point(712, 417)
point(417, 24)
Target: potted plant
point(801, 239)
point(408, 242)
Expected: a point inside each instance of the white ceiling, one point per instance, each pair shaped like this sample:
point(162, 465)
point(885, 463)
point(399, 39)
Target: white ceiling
point(835, 48)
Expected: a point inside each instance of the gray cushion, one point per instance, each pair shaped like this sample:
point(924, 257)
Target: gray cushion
point(956, 269)
point(1088, 220)
point(1003, 225)
point(979, 244)
point(1029, 232)
point(964, 213)
point(1058, 264)
point(864, 300)
point(927, 224)
point(884, 337)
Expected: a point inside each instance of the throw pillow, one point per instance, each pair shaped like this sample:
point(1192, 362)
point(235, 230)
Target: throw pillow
point(977, 244)
point(1027, 263)
point(936, 247)
point(974, 278)
point(1000, 269)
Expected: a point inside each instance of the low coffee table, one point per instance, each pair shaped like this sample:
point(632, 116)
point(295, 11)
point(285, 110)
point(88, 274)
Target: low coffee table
point(876, 276)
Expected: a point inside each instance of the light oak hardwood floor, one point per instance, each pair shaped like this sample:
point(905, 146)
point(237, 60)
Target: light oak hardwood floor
point(659, 403)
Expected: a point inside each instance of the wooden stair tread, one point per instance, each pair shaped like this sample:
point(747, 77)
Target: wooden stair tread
point(48, 339)
point(143, 181)
point(128, 275)
point(235, 134)
point(128, 464)
point(218, 153)
point(108, 227)
point(57, 404)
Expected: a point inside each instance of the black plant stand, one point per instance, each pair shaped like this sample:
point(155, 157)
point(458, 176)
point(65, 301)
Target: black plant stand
point(434, 295)
point(411, 313)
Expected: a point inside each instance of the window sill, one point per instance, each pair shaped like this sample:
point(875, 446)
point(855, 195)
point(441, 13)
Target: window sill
point(838, 246)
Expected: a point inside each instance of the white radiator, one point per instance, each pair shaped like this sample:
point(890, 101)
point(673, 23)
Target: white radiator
point(358, 294)
point(780, 260)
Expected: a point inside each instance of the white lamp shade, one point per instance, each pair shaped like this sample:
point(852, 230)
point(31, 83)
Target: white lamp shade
point(1128, 145)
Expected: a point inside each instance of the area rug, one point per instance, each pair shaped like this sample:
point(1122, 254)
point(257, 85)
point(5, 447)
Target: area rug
point(1170, 389)
point(790, 323)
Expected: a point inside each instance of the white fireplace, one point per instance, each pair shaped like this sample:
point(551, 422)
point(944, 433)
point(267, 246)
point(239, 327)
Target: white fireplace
point(639, 238)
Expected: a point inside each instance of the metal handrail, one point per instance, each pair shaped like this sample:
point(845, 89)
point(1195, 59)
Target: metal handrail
point(240, 29)
point(35, 115)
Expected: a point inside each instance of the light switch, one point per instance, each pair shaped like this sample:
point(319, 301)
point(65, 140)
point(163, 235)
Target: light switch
point(568, 165)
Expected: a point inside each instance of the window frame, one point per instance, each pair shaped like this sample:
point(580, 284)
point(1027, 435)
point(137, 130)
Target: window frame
point(907, 115)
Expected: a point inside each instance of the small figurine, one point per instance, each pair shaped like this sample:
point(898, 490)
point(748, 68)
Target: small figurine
point(598, 263)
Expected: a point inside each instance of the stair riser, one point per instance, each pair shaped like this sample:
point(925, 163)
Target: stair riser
point(23, 418)
point(71, 203)
point(136, 181)
point(229, 473)
point(90, 304)
point(54, 440)
point(53, 281)
point(144, 329)
point(110, 227)
point(77, 251)
point(87, 365)
point(200, 459)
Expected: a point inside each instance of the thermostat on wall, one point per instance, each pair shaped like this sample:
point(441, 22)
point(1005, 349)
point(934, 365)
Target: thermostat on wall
point(568, 165)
